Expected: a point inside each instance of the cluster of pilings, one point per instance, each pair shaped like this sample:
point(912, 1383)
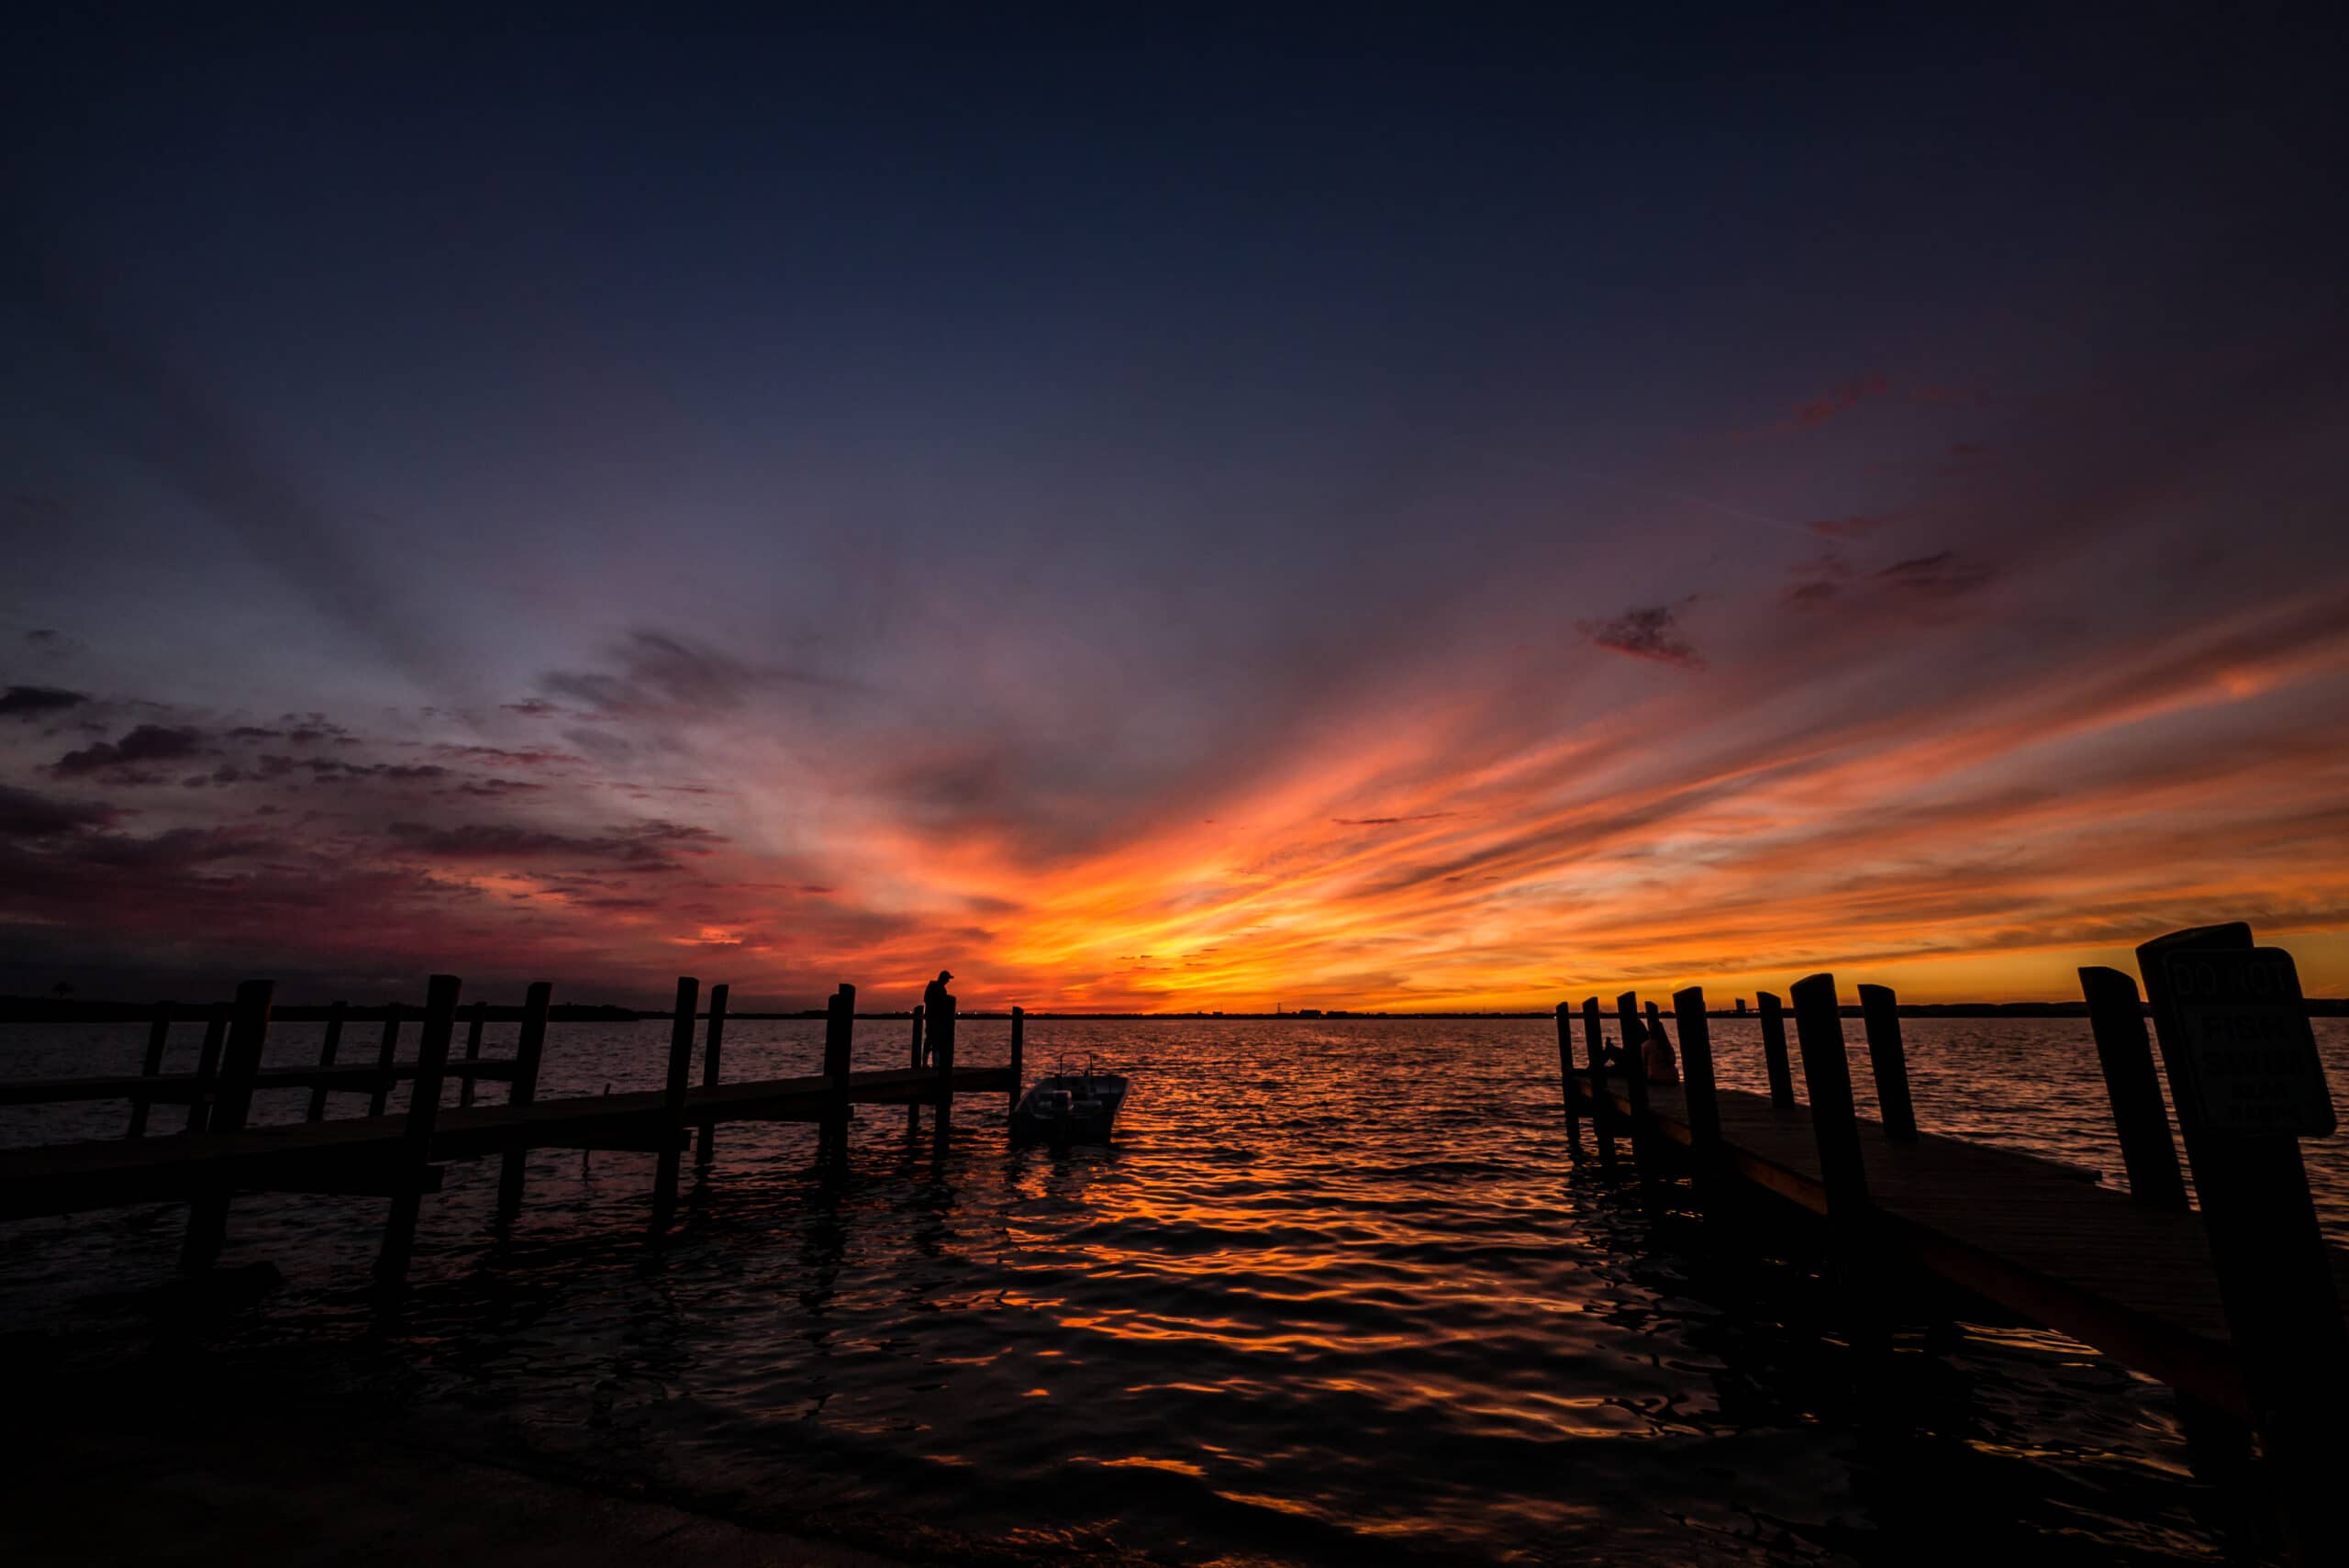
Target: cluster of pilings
point(2245, 1082)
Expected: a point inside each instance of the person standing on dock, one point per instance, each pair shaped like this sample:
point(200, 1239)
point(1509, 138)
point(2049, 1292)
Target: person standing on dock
point(933, 1007)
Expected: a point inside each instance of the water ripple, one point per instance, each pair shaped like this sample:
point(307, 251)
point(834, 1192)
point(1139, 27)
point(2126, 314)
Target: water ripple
point(1337, 1296)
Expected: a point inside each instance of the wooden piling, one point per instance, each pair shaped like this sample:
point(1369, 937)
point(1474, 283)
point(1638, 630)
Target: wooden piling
point(1019, 1056)
point(840, 1055)
point(529, 1052)
point(1567, 1078)
point(2276, 1280)
point(706, 1141)
point(159, 1034)
point(2117, 1017)
point(328, 1048)
point(839, 1036)
point(913, 1108)
point(207, 1224)
point(415, 1156)
point(386, 1057)
point(1602, 1099)
point(207, 1066)
point(473, 1052)
point(941, 1054)
point(1697, 1079)
point(1774, 1051)
point(673, 1099)
point(1889, 1060)
point(1636, 1071)
point(1827, 1078)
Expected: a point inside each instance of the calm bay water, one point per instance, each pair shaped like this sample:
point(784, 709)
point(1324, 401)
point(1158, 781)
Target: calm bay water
point(1336, 1296)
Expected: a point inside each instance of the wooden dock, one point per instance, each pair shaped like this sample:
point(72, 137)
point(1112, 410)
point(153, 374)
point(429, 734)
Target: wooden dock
point(364, 1154)
point(216, 1155)
point(2236, 1305)
point(2041, 1239)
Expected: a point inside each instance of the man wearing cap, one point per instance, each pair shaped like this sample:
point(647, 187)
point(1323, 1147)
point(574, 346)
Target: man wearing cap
point(934, 1002)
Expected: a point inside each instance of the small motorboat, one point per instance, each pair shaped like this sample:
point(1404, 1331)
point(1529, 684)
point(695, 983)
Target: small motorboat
point(1069, 1108)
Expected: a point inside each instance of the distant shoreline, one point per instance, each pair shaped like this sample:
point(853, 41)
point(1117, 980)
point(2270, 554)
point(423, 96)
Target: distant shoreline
point(73, 1010)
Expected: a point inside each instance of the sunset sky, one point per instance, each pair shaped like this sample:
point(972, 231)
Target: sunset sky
point(1148, 516)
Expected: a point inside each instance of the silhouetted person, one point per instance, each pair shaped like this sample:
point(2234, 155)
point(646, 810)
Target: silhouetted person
point(933, 1007)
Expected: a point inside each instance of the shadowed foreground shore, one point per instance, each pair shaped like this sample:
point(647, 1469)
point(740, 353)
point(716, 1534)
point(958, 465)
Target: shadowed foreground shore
point(131, 1474)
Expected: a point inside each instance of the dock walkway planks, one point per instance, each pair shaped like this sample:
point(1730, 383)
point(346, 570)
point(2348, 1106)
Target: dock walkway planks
point(2037, 1236)
point(365, 1153)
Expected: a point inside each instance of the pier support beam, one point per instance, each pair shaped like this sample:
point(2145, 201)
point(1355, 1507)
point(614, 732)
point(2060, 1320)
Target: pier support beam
point(328, 1048)
point(1602, 1098)
point(2116, 1016)
point(672, 1101)
point(530, 1051)
point(2276, 1279)
point(1774, 1051)
point(473, 1052)
point(1567, 1078)
point(706, 1141)
point(159, 1035)
point(208, 1220)
point(1635, 1073)
point(1827, 1077)
point(414, 1154)
point(208, 1067)
point(840, 1053)
point(1696, 1075)
point(1018, 1058)
point(1889, 1060)
point(387, 1054)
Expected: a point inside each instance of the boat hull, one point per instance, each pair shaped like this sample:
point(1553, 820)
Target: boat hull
point(1071, 1108)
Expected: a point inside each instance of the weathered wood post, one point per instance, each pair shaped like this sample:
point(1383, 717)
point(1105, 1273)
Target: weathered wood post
point(673, 1100)
point(530, 1051)
point(207, 1223)
point(2218, 1444)
point(386, 1057)
point(208, 1067)
point(1567, 1078)
point(913, 1108)
point(1696, 1077)
point(1635, 1071)
point(705, 1142)
point(2118, 1019)
point(1888, 1059)
point(328, 1048)
point(2247, 1084)
point(941, 1052)
point(1019, 1057)
point(1774, 1051)
point(240, 1063)
point(473, 1052)
point(840, 1058)
point(839, 1042)
point(415, 1157)
point(1827, 1077)
point(159, 1035)
point(1602, 1098)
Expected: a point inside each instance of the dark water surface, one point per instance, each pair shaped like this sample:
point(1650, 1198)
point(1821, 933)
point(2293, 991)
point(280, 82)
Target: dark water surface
point(1338, 1295)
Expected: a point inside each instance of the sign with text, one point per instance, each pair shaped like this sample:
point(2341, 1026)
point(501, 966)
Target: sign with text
point(2246, 1045)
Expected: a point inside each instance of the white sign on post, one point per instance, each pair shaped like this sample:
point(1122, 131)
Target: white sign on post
point(2249, 1052)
